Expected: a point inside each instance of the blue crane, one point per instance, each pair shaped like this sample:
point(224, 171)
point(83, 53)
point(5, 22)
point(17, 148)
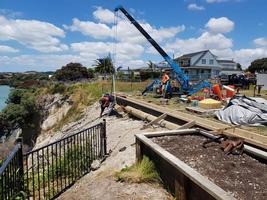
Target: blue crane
point(181, 77)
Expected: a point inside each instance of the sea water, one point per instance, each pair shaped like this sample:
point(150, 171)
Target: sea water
point(4, 91)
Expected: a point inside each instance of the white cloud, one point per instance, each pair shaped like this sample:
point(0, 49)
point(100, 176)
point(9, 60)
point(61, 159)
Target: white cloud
point(130, 43)
point(246, 56)
point(41, 36)
point(126, 32)
point(220, 25)
point(260, 41)
point(88, 28)
point(216, 1)
point(194, 6)
point(104, 15)
point(125, 52)
point(8, 49)
point(205, 41)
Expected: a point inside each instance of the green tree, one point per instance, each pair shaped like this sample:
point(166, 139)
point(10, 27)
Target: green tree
point(104, 65)
point(132, 75)
point(259, 65)
point(21, 112)
point(151, 65)
point(91, 72)
point(238, 66)
point(120, 74)
point(72, 72)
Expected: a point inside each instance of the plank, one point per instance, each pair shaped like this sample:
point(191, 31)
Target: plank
point(201, 111)
point(188, 125)
point(221, 131)
point(155, 121)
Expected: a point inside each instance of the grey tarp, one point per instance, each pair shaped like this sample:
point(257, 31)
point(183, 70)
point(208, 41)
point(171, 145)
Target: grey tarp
point(245, 111)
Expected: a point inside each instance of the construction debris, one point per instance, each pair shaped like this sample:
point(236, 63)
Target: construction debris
point(233, 145)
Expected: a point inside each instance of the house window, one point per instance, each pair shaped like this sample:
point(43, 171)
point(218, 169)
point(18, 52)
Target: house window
point(211, 62)
point(203, 61)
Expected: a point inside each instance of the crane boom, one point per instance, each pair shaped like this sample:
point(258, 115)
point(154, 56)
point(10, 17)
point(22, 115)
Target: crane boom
point(182, 78)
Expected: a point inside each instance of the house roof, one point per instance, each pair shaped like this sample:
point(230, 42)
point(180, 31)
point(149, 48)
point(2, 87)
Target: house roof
point(190, 55)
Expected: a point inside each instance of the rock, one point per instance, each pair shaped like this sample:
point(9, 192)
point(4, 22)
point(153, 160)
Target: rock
point(95, 165)
point(122, 149)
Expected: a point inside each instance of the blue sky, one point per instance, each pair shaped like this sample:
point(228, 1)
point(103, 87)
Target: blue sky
point(47, 34)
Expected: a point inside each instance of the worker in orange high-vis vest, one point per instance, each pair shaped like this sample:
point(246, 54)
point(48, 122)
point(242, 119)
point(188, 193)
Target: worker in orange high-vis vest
point(165, 78)
point(165, 81)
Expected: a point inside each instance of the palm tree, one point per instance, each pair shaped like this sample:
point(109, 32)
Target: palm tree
point(104, 65)
point(151, 65)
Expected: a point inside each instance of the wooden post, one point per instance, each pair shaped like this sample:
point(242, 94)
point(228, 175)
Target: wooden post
point(20, 165)
point(180, 187)
point(104, 137)
point(138, 150)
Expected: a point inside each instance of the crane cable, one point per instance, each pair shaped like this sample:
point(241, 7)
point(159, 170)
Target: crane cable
point(115, 49)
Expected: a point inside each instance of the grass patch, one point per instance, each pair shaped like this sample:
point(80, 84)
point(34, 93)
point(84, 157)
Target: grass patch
point(140, 172)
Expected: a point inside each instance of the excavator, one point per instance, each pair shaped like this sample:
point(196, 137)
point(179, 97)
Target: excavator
point(185, 86)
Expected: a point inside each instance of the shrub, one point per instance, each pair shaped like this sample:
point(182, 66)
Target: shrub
point(57, 88)
point(143, 171)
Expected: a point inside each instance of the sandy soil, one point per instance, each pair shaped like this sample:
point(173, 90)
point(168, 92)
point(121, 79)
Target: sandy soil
point(243, 176)
point(101, 184)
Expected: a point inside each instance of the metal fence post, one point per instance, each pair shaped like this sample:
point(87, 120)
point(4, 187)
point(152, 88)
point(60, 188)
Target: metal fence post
point(20, 164)
point(104, 136)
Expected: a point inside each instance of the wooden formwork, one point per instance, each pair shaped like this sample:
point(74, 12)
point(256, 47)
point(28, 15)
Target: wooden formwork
point(180, 118)
point(183, 181)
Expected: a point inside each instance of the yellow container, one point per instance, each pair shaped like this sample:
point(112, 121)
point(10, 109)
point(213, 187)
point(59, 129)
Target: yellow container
point(209, 104)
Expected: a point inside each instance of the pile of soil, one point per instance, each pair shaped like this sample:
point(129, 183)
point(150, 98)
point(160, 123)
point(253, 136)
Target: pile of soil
point(241, 175)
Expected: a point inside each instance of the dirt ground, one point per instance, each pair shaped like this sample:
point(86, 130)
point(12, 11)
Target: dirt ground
point(243, 176)
point(101, 184)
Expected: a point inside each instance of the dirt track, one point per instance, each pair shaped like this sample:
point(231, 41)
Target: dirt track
point(101, 184)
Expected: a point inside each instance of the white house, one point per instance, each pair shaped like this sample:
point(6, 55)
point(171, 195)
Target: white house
point(199, 65)
point(203, 65)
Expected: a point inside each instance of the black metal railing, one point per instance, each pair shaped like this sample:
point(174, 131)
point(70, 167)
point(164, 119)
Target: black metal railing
point(51, 169)
point(11, 174)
